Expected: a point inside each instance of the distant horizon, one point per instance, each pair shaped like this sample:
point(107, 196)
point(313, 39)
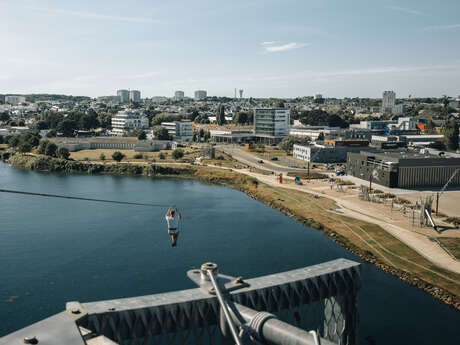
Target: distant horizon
point(231, 97)
point(268, 48)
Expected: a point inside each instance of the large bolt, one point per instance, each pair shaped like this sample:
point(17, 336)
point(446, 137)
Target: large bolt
point(30, 340)
point(208, 266)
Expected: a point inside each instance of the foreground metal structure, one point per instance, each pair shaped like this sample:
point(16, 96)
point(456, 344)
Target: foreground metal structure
point(322, 298)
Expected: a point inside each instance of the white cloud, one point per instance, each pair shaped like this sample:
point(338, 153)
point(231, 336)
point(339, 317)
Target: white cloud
point(407, 10)
point(284, 47)
point(89, 15)
point(442, 27)
point(268, 43)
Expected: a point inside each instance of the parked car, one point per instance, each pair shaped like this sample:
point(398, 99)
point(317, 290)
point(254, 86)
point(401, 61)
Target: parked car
point(260, 161)
point(340, 172)
point(274, 158)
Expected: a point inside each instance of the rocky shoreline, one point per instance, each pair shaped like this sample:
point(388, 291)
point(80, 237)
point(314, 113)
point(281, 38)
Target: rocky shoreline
point(48, 164)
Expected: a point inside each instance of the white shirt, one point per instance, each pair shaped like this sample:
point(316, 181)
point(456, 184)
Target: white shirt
point(173, 222)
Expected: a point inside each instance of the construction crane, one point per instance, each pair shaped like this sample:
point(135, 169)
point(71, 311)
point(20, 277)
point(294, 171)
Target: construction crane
point(443, 189)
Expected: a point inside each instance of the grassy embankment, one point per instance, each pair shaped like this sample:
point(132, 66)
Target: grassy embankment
point(365, 239)
point(452, 245)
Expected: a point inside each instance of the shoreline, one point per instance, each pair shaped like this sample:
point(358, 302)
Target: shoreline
point(234, 180)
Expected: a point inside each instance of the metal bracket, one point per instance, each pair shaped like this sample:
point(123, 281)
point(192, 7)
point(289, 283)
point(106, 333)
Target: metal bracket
point(226, 283)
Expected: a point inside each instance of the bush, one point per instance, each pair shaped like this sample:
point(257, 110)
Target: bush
point(138, 156)
point(177, 154)
point(162, 156)
point(25, 147)
point(42, 146)
point(102, 157)
point(51, 134)
point(13, 142)
point(118, 156)
point(63, 152)
point(51, 149)
point(221, 158)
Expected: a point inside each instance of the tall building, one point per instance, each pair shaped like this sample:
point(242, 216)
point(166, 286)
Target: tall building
point(388, 99)
point(126, 120)
point(134, 96)
point(200, 94)
point(271, 122)
point(179, 95)
point(124, 96)
point(14, 99)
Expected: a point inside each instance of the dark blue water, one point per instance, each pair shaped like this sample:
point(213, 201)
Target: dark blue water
point(53, 251)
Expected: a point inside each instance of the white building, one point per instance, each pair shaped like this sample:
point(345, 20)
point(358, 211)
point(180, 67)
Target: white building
point(135, 96)
point(179, 95)
point(179, 130)
point(200, 94)
point(312, 131)
point(14, 99)
point(127, 120)
point(271, 122)
point(124, 95)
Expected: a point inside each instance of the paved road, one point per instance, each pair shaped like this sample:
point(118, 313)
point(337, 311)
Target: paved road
point(251, 160)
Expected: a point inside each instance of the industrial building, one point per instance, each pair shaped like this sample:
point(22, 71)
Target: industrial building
point(403, 169)
point(324, 153)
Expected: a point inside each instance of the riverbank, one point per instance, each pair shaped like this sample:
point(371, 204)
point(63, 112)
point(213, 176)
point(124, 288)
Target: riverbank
point(367, 240)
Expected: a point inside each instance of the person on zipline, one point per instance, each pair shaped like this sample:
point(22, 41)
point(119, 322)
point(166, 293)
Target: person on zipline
point(172, 218)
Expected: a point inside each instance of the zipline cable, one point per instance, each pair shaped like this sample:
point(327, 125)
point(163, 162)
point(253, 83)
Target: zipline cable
point(84, 199)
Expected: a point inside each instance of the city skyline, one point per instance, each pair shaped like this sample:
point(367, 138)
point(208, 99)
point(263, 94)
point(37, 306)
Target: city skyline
point(268, 48)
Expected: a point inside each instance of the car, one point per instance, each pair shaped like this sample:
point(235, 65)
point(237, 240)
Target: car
point(260, 161)
point(274, 158)
point(340, 172)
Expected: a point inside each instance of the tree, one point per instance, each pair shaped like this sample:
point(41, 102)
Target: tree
point(118, 156)
point(430, 127)
point(63, 152)
point(220, 115)
point(13, 142)
point(177, 153)
point(102, 157)
point(142, 136)
point(201, 119)
point(1, 139)
point(42, 146)
point(319, 117)
point(163, 117)
point(51, 134)
point(451, 135)
point(67, 127)
point(25, 147)
point(161, 133)
point(51, 149)
point(288, 142)
point(5, 117)
point(241, 117)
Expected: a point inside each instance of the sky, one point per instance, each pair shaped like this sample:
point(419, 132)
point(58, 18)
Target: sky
point(268, 48)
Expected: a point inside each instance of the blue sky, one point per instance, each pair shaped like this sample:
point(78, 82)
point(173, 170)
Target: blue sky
point(269, 48)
